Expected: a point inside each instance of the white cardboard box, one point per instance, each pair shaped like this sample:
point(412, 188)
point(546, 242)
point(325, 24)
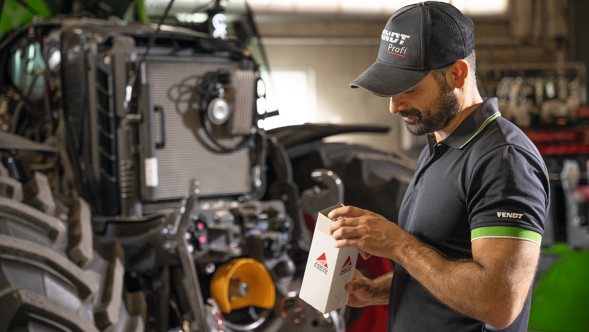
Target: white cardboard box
point(328, 269)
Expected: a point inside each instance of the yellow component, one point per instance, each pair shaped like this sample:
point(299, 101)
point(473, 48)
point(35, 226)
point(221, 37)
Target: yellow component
point(260, 287)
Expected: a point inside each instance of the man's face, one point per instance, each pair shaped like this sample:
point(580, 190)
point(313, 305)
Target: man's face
point(427, 107)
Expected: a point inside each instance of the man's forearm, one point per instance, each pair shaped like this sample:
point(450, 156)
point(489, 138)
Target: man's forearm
point(381, 289)
point(453, 283)
point(465, 286)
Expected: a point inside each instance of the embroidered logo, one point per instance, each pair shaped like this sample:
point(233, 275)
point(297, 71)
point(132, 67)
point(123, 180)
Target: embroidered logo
point(395, 38)
point(321, 264)
point(509, 215)
point(347, 266)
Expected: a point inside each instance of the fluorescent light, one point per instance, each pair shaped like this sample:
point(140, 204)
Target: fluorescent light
point(192, 17)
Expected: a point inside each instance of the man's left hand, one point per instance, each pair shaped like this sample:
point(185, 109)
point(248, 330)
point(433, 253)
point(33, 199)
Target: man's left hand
point(365, 230)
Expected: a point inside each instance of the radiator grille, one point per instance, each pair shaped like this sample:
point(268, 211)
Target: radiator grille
point(106, 124)
point(73, 89)
point(244, 102)
point(186, 154)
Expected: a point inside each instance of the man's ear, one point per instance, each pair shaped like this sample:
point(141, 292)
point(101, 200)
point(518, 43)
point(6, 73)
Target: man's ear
point(460, 72)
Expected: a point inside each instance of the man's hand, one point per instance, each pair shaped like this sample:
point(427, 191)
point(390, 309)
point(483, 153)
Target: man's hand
point(365, 292)
point(366, 230)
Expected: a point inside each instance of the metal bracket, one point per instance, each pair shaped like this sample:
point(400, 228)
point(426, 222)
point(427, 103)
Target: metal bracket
point(197, 305)
point(316, 199)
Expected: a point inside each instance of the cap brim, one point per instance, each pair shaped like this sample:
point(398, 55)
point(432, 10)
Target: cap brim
point(384, 80)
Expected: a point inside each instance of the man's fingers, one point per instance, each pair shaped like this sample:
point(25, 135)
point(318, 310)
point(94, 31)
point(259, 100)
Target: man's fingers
point(351, 242)
point(346, 211)
point(345, 232)
point(356, 283)
point(350, 287)
point(344, 222)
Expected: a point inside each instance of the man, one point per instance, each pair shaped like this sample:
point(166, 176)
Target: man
point(470, 225)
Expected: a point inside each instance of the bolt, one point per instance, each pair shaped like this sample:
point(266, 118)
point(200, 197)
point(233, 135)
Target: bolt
point(188, 235)
point(165, 230)
point(106, 60)
point(210, 268)
point(190, 248)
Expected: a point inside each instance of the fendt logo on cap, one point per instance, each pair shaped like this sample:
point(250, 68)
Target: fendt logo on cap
point(394, 38)
point(347, 266)
point(321, 264)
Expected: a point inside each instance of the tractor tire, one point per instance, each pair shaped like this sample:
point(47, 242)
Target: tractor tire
point(52, 276)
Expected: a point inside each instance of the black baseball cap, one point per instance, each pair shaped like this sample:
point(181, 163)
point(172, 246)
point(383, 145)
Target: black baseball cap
point(416, 40)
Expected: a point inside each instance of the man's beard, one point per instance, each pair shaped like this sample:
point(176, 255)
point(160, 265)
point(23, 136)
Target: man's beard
point(446, 105)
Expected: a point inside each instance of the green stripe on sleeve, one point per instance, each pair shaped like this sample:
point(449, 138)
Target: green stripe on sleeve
point(489, 120)
point(507, 232)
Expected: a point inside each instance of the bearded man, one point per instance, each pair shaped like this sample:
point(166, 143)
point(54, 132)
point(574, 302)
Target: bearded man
point(471, 222)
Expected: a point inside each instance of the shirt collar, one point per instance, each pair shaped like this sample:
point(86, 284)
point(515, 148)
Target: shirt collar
point(474, 123)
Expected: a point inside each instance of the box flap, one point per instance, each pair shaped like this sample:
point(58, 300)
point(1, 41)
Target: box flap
point(323, 222)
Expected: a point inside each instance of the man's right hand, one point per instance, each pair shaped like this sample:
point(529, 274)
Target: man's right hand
point(365, 292)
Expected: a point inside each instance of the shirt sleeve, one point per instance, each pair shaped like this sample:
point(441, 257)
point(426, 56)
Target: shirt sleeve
point(508, 195)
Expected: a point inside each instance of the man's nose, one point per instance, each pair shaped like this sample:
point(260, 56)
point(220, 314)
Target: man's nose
point(397, 104)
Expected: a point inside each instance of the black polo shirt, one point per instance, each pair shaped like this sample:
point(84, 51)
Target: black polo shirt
point(486, 179)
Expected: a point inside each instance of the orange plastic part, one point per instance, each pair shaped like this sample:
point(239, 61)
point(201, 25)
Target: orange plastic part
point(261, 291)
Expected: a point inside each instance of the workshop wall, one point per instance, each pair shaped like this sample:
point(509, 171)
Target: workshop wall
point(340, 49)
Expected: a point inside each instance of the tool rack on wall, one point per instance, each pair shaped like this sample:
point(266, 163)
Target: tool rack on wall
point(548, 101)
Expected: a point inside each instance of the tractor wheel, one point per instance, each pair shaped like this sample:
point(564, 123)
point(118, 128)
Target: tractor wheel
point(52, 276)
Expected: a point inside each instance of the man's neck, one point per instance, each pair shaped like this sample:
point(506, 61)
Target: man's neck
point(469, 100)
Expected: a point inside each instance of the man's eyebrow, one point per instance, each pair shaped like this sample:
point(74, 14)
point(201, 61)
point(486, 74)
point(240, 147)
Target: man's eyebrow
point(411, 90)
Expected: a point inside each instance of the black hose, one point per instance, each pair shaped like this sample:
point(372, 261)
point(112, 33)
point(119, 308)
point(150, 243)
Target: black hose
point(152, 39)
point(246, 140)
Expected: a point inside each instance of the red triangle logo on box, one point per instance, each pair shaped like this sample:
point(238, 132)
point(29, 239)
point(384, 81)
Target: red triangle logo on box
point(322, 260)
point(347, 263)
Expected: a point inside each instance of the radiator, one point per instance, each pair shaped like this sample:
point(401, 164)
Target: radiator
point(186, 153)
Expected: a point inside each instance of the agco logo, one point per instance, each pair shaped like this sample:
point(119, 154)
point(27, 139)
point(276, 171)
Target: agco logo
point(347, 266)
point(321, 264)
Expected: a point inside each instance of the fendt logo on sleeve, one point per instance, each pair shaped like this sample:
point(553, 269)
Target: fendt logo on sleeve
point(321, 264)
point(509, 215)
point(347, 266)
